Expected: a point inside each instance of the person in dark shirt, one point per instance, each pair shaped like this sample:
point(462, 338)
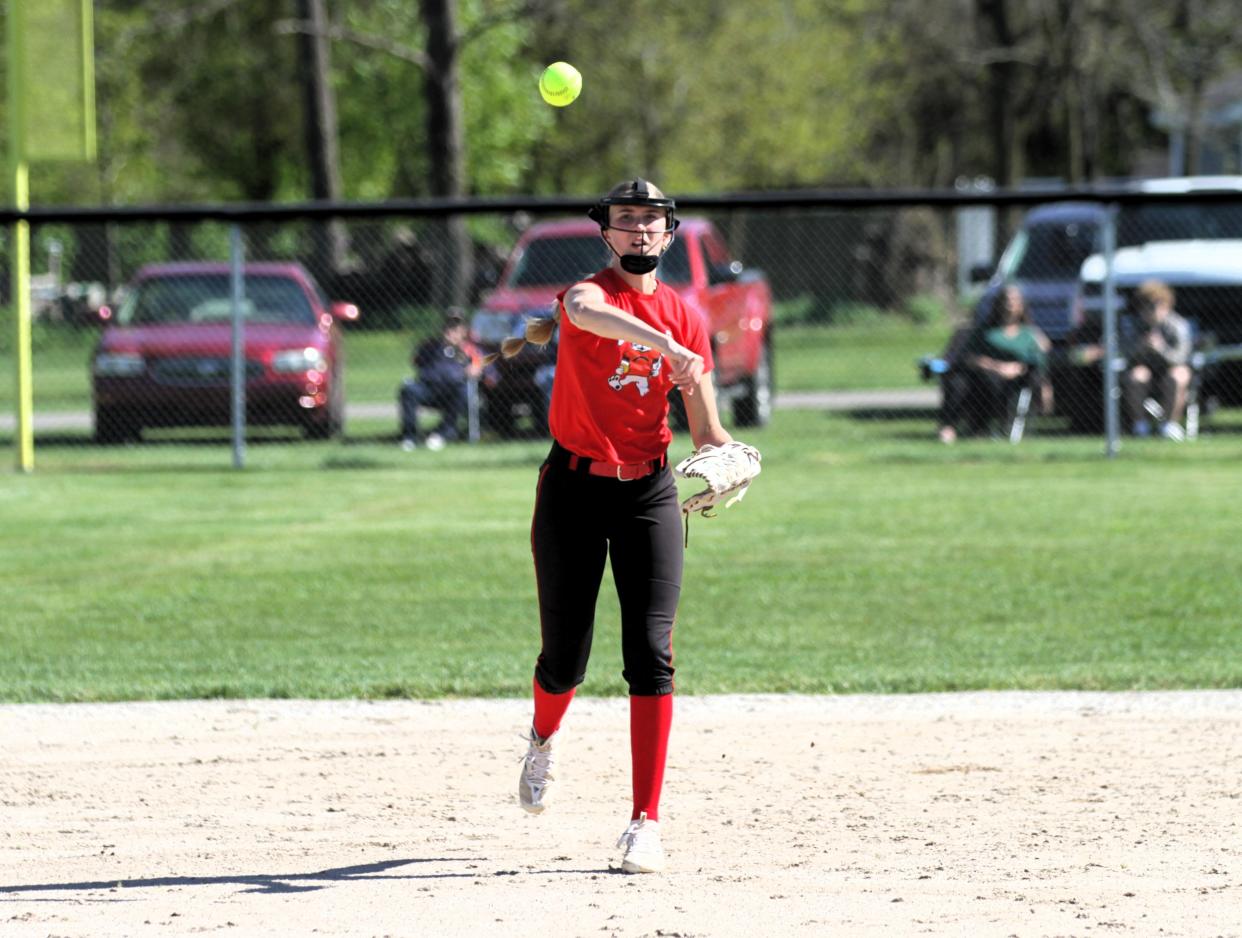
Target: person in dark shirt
point(1157, 352)
point(1001, 354)
point(443, 366)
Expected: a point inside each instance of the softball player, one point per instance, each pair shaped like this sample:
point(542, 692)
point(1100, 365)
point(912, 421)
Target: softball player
point(606, 492)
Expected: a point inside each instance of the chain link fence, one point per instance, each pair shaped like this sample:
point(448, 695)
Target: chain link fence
point(1108, 316)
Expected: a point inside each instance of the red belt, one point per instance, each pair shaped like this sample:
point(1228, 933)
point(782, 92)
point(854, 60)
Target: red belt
point(625, 471)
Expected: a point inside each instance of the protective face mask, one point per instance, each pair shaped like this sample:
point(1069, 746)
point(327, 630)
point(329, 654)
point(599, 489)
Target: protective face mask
point(639, 263)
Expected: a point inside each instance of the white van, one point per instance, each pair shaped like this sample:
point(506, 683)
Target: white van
point(1044, 256)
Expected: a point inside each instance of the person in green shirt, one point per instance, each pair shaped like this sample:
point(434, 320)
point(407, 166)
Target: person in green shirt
point(996, 359)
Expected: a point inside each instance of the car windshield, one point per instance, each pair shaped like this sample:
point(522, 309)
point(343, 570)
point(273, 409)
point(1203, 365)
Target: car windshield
point(206, 298)
point(1178, 221)
point(1055, 251)
point(548, 262)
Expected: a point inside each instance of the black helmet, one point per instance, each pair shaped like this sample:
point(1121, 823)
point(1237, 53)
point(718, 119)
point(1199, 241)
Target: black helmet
point(634, 192)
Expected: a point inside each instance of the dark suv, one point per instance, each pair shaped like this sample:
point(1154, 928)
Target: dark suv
point(1043, 260)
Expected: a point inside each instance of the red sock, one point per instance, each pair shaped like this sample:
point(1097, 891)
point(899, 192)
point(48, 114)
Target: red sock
point(549, 710)
point(651, 718)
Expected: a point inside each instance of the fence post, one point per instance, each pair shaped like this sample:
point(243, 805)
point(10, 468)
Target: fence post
point(1112, 393)
point(237, 369)
point(472, 409)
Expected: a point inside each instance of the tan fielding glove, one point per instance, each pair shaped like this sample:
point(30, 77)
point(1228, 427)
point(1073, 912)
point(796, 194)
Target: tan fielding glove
point(728, 471)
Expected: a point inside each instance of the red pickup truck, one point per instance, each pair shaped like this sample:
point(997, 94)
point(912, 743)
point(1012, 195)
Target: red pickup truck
point(735, 303)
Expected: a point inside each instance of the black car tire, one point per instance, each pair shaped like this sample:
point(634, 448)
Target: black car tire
point(114, 426)
point(332, 428)
point(753, 407)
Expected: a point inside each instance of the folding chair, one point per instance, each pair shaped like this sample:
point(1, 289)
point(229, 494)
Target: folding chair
point(1155, 410)
point(1017, 407)
point(1021, 408)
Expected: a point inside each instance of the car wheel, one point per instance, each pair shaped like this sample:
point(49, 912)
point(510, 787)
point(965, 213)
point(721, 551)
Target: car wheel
point(330, 426)
point(753, 408)
point(113, 426)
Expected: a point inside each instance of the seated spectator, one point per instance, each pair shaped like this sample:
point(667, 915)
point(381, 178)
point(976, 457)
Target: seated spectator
point(1157, 352)
point(996, 359)
point(443, 367)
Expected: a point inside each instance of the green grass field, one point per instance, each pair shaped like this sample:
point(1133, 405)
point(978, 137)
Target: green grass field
point(866, 558)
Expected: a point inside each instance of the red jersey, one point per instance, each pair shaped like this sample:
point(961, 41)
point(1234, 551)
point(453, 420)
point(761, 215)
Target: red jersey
point(610, 396)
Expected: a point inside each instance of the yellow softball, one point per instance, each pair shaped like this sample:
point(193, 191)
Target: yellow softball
point(560, 84)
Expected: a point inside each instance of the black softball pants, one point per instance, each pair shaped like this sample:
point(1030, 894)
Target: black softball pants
point(579, 521)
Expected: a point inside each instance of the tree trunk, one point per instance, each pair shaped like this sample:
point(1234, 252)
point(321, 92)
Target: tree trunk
point(1067, 44)
point(180, 241)
point(446, 147)
point(1194, 129)
point(1002, 92)
point(329, 241)
point(1002, 98)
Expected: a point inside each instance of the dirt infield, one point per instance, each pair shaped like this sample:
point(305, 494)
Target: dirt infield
point(984, 814)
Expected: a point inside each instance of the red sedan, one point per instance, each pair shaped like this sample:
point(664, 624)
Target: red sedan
point(164, 357)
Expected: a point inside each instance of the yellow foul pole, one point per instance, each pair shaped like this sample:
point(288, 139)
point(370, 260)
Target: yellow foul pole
point(21, 316)
point(20, 254)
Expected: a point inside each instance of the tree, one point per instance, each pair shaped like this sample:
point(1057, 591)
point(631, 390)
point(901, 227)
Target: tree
point(1180, 48)
point(235, 110)
point(320, 129)
point(384, 40)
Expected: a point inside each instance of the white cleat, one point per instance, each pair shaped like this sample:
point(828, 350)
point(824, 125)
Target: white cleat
point(643, 851)
point(536, 774)
point(1172, 431)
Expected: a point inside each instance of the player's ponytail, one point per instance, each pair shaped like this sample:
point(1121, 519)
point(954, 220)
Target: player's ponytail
point(538, 331)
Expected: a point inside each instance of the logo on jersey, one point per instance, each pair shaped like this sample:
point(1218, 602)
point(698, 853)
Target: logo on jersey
point(639, 365)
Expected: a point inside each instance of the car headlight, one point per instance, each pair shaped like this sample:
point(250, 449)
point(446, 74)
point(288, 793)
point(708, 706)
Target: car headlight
point(299, 359)
point(119, 365)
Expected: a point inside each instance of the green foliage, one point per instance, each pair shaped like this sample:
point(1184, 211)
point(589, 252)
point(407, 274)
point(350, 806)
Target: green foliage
point(813, 310)
point(63, 344)
point(793, 312)
point(399, 319)
point(380, 105)
point(382, 110)
point(505, 120)
point(922, 309)
point(853, 314)
point(926, 309)
point(709, 96)
point(203, 102)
